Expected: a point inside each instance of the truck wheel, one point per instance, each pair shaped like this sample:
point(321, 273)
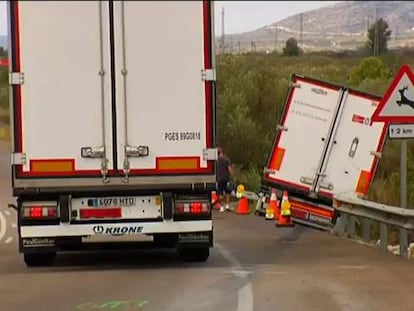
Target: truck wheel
point(38, 260)
point(194, 254)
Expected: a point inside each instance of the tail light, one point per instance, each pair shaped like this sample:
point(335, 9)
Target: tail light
point(192, 207)
point(40, 212)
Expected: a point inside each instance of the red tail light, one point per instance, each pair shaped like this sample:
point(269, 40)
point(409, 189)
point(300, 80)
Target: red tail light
point(39, 212)
point(36, 212)
point(196, 208)
point(199, 207)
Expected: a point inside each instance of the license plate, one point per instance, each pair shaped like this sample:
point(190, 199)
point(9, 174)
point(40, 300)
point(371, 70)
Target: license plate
point(116, 201)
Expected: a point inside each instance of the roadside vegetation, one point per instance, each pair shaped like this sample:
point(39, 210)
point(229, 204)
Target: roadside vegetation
point(252, 89)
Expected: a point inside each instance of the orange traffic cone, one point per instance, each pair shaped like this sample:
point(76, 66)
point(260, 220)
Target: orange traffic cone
point(215, 200)
point(285, 218)
point(272, 208)
point(243, 206)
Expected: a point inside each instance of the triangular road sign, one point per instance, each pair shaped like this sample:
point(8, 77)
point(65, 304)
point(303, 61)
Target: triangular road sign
point(397, 105)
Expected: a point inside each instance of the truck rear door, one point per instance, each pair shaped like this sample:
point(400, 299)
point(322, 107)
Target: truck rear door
point(357, 145)
point(325, 144)
point(303, 133)
point(112, 90)
point(163, 83)
point(61, 88)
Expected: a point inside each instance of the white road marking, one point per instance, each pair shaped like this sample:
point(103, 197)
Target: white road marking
point(276, 272)
point(245, 300)
point(352, 267)
point(7, 212)
point(241, 273)
point(9, 239)
point(14, 226)
point(3, 226)
point(245, 294)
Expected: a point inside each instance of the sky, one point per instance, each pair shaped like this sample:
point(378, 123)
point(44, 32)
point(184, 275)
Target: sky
point(242, 16)
point(3, 18)
point(239, 16)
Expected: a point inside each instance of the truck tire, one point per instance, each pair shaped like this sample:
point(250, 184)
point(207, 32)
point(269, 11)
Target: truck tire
point(39, 260)
point(198, 254)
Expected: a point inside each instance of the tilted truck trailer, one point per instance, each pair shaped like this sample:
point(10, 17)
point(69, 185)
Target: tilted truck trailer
point(113, 124)
point(325, 144)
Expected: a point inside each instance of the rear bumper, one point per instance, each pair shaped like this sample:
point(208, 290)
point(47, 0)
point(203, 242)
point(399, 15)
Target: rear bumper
point(115, 229)
point(36, 186)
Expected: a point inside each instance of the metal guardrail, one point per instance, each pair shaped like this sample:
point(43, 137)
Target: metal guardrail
point(250, 195)
point(353, 210)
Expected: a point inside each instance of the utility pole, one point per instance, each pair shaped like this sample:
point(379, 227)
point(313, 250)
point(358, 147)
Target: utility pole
point(222, 31)
point(253, 44)
point(301, 31)
point(238, 43)
point(275, 38)
point(376, 34)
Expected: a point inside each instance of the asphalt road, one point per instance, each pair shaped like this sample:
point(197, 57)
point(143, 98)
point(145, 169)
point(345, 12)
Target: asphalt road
point(253, 266)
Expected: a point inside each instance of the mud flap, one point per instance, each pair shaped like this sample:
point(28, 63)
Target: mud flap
point(37, 245)
point(195, 239)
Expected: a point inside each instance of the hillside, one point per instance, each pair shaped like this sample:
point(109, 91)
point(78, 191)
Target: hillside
point(344, 26)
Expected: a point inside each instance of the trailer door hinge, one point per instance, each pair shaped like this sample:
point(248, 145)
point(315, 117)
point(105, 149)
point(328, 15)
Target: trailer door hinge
point(208, 74)
point(269, 171)
point(210, 154)
point(306, 180)
point(326, 185)
point(376, 154)
point(93, 152)
point(137, 151)
point(295, 84)
point(16, 78)
point(18, 159)
point(281, 128)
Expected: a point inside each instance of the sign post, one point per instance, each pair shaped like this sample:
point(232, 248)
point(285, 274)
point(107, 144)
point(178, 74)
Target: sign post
point(397, 109)
point(403, 174)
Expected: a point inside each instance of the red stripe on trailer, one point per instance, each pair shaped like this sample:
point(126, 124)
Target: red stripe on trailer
point(311, 209)
point(100, 213)
point(208, 84)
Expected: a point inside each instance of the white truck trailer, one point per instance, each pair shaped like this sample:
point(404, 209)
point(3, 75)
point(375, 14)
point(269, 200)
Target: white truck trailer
point(113, 124)
point(325, 144)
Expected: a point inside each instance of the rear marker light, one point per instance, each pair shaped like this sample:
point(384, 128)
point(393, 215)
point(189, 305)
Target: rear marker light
point(192, 208)
point(40, 212)
point(36, 212)
point(52, 212)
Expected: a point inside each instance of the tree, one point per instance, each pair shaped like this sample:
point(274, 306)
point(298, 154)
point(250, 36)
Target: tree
point(3, 52)
point(378, 36)
point(291, 47)
point(369, 68)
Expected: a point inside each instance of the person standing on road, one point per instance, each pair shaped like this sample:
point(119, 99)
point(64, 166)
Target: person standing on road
point(224, 174)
